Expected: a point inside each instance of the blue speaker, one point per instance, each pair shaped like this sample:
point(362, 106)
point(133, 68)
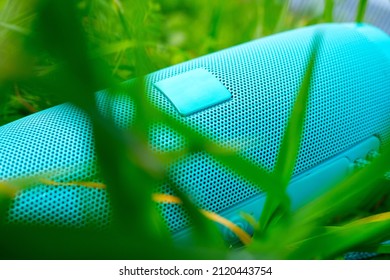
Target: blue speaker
point(240, 97)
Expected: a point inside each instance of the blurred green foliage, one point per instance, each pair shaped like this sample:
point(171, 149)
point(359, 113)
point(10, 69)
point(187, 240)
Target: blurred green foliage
point(56, 51)
point(169, 31)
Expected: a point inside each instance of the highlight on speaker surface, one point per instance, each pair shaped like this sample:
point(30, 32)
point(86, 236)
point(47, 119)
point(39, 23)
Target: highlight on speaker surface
point(194, 130)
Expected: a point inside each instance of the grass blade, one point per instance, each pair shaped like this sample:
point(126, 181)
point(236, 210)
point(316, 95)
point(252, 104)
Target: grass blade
point(14, 27)
point(349, 237)
point(271, 10)
point(289, 148)
point(290, 144)
point(240, 233)
point(200, 225)
point(328, 10)
point(282, 18)
point(361, 10)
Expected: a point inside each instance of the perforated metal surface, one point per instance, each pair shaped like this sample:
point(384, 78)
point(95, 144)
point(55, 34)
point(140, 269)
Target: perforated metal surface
point(349, 102)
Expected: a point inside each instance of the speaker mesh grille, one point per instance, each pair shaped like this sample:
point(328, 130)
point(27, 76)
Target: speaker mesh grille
point(349, 102)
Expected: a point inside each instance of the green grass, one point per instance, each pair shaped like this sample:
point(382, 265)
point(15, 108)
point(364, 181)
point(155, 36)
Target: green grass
point(56, 51)
point(361, 10)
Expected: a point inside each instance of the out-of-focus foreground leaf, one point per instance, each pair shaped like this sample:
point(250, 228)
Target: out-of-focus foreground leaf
point(277, 198)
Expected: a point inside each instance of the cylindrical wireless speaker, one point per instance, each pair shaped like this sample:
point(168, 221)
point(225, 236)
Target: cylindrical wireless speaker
point(240, 97)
